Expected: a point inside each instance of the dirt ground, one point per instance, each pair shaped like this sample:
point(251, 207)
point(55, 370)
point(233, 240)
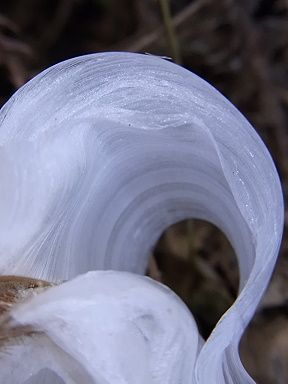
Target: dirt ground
point(241, 47)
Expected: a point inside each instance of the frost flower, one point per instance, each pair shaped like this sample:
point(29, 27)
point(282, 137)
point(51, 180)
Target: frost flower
point(98, 155)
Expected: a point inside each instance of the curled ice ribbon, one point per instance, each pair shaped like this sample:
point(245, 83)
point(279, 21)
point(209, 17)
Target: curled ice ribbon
point(98, 156)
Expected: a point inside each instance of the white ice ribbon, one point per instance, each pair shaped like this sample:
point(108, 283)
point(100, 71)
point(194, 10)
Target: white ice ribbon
point(98, 155)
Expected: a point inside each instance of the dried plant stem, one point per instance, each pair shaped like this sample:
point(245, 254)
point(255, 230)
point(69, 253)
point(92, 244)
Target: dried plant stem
point(170, 31)
point(14, 289)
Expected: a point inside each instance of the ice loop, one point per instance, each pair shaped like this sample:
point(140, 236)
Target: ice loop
point(98, 155)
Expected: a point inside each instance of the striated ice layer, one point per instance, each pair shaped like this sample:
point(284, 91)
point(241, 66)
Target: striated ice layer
point(101, 153)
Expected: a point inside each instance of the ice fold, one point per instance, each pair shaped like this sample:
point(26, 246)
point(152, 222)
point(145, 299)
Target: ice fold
point(106, 327)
